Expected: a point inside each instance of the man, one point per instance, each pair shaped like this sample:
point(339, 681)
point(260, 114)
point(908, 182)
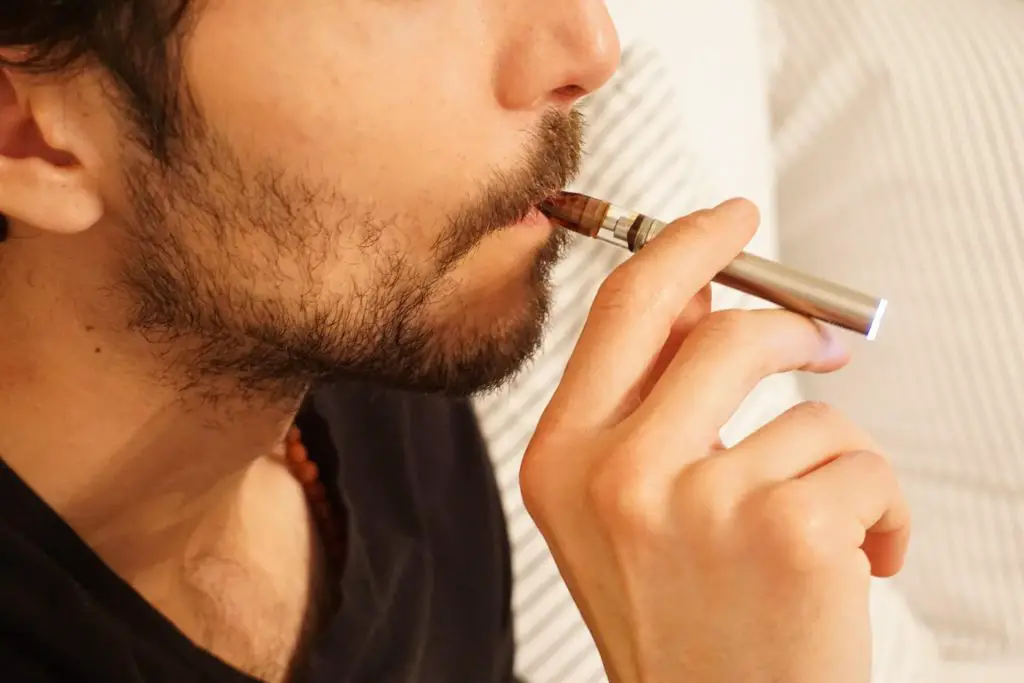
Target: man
point(210, 208)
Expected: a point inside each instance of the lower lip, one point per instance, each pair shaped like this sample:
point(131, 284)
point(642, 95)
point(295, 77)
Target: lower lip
point(535, 220)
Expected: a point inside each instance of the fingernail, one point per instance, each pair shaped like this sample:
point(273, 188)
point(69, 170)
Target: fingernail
point(832, 347)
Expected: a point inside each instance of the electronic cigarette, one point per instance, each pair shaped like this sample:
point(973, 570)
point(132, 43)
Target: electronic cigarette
point(785, 287)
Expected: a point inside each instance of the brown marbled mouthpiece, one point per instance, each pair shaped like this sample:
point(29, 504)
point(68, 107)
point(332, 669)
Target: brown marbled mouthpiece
point(576, 212)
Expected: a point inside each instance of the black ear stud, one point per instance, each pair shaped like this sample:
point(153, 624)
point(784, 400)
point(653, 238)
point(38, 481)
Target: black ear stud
point(3, 227)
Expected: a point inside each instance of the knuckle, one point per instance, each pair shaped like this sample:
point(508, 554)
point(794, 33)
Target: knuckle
point(830, 425)
point(703, 222)
point(706, 494)
point(634, 289)
point(541, 478)
point(875, 465)
point(817, 412)
point(729, 326)
point(623, 502)
point(531, 484)
point(625, 288)
point(738, 216)
point(823, 418)
point(791, 527)
point(733, 333)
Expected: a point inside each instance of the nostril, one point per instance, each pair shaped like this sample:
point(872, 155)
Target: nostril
point(570, 93)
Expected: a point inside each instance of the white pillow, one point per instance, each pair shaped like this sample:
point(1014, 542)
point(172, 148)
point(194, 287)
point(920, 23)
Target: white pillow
point(900, 147)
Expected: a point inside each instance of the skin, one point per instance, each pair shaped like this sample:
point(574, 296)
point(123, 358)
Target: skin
point(171, 315)
point(344, 203)
point(690, 560)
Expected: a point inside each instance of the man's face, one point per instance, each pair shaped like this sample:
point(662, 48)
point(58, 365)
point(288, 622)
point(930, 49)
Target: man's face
point(354, 186)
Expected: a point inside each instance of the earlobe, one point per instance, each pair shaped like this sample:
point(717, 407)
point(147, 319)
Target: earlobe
point(43, 182)
point(59, 199)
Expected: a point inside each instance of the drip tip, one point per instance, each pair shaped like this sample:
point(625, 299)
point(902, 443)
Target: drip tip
point(575, 212)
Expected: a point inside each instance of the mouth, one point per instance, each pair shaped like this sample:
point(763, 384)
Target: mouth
point(535, 215)
point(535, 218)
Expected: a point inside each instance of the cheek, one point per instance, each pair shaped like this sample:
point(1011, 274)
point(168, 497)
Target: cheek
point(378, 102)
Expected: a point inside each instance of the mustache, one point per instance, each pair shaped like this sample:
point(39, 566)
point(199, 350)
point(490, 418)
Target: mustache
point(552, 161)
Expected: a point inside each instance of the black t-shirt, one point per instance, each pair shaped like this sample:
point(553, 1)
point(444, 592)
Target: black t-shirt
point(425, 588)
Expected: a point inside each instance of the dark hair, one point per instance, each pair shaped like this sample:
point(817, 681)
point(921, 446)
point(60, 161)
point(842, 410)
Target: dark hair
point(136, 42)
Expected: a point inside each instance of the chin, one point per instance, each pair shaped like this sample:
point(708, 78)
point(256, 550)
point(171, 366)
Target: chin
point(482, 347)
point(475, 341)
point(494, 324)
point(454, 362)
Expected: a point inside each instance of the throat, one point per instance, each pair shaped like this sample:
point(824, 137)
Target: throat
point(249, 588)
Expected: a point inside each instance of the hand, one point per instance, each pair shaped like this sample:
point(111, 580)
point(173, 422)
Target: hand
point(690, 561)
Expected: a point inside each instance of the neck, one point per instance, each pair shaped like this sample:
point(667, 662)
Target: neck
point(89, 419)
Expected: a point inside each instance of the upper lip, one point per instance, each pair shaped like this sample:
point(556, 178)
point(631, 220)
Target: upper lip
point(539, 205)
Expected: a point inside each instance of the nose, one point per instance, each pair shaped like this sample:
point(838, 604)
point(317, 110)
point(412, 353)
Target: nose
point(556, 52)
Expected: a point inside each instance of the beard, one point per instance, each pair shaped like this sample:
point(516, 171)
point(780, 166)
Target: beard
point(223, 324)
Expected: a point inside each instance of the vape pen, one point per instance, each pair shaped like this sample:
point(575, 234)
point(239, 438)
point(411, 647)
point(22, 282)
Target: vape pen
point(800, 293)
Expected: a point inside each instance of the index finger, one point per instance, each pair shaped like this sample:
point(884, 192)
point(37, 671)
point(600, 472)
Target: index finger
point(635, 309)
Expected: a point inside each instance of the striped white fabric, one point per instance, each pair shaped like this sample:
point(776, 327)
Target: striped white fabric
point(899, 130)
point(897, 169)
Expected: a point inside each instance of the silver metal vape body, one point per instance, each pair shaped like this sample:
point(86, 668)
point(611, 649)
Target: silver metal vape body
point(762, 278)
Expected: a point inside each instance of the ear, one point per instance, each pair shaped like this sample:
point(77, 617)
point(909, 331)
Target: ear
point(43, 181)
